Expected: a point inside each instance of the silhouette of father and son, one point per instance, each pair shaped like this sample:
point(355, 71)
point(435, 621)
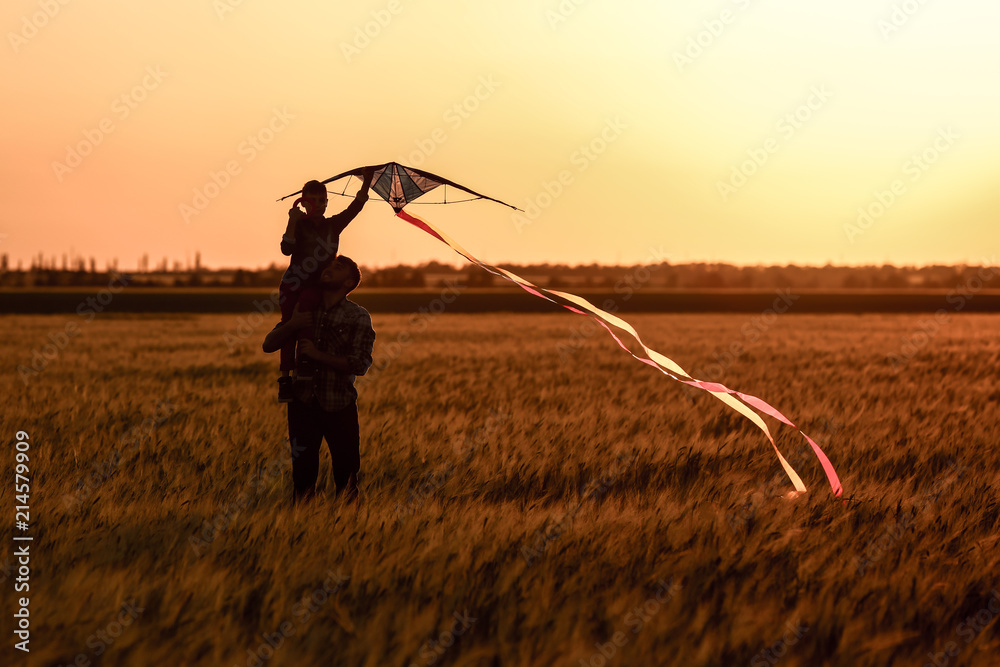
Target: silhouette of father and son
point(325, 340)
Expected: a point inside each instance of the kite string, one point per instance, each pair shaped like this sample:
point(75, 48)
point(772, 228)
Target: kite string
point(664, 364)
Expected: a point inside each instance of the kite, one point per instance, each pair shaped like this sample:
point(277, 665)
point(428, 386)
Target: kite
point(400, 186)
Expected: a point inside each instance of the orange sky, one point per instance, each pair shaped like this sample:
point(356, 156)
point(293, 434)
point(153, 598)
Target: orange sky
point(745, 131)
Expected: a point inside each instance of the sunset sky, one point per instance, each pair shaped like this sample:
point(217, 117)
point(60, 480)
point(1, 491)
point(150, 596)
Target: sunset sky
point(742, 131)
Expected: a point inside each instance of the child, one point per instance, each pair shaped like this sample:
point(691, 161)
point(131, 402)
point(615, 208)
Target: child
point(312, 242)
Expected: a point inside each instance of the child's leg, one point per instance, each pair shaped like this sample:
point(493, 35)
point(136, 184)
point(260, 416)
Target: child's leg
point(287, 298)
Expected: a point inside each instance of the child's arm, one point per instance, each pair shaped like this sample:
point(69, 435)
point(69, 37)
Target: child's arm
point(340, 221)
point(288, 238)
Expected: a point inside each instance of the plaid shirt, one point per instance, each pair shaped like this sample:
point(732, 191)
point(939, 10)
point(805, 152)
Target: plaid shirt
point(343, 330)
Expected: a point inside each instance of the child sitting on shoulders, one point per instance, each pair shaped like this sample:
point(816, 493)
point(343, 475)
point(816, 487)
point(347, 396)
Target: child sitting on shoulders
point(312, 242)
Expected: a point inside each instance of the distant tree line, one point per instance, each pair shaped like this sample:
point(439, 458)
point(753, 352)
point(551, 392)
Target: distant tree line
point(696, 275)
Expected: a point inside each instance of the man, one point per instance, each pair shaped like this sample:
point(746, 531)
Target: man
point(327, 405)
point(311, 240)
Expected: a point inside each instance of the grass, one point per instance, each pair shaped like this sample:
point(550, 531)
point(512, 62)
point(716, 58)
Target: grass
point(532, 496)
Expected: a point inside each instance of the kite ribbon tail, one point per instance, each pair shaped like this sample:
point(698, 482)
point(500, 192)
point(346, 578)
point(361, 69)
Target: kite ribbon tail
point(664, 364)
point(454, 245)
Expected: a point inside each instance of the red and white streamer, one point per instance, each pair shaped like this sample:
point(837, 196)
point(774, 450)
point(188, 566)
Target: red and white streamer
point(742, 403)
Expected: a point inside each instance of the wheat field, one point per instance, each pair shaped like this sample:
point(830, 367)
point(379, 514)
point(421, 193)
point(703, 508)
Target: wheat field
point(531, 496)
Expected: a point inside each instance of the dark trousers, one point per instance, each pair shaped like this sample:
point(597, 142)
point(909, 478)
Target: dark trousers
point(308, 424)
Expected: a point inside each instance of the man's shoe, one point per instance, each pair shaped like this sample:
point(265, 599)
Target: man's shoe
point(285, 393)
